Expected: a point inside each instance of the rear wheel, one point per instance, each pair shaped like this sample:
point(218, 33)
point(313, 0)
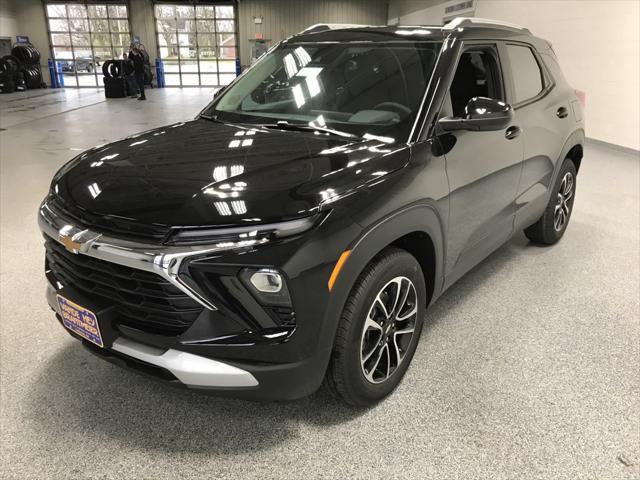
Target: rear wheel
point(379, 329)
point(551, 226)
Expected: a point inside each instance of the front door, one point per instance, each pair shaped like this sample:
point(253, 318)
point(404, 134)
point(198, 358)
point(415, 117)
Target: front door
point(483, 167)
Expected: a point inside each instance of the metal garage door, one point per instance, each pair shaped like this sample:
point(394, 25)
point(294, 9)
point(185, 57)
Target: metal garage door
point(197, 42)
point(83, 35)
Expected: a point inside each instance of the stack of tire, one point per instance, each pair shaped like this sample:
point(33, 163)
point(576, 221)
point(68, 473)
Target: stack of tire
point(21, 69)
point(114, 71)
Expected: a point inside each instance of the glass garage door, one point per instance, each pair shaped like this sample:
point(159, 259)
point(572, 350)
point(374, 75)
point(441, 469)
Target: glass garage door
point(84, 36)
point(197, 43)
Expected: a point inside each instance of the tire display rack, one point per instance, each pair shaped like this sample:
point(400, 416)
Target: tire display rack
point(21, 70)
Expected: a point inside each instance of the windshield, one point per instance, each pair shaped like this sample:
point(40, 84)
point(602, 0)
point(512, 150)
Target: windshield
point(357, 88)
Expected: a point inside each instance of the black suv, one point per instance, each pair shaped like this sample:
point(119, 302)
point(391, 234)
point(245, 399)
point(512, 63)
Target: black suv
point(294, 233)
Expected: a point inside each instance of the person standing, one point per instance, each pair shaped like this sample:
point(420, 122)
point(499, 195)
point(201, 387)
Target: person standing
point(138, 69)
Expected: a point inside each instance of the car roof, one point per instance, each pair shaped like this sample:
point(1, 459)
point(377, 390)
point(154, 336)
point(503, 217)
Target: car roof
point(462, 27)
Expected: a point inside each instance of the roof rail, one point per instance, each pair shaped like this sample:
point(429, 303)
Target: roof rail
point(460, 22)
point(323, 27)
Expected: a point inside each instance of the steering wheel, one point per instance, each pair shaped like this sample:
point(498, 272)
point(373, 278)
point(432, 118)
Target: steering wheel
point(395, 107)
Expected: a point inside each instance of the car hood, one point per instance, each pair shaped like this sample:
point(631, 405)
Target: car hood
point(205, 172)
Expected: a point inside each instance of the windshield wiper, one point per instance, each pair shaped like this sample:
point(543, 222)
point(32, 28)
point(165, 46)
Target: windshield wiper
point(284, 125)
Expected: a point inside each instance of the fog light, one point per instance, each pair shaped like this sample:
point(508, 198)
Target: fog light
point(267, 285)
point(267, 281)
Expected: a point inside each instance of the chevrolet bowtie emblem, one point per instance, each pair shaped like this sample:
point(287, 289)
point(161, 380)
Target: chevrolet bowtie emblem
point(69, 243)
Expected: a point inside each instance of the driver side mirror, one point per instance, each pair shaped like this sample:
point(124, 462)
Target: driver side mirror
point(481, 114)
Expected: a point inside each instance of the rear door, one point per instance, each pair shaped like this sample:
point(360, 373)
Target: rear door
point(544, 113)
point(483, 167)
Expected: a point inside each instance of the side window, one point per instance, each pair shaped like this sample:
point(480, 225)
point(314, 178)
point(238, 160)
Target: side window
point(527, 76)
point(477, 75)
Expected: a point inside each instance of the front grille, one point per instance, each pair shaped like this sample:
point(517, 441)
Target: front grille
point(118, 226)
point(144, 300)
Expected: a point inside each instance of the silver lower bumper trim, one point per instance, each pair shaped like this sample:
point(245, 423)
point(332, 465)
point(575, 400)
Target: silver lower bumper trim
point(192, 370)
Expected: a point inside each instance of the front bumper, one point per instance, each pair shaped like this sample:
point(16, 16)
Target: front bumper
point(263, 362)
point(249, 380)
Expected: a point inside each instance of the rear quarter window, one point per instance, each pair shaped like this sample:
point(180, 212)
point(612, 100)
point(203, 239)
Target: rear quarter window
point(527, 76)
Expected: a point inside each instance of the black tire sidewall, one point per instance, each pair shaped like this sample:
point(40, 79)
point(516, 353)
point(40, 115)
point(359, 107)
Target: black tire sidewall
point(397, 264)
point(550, 231)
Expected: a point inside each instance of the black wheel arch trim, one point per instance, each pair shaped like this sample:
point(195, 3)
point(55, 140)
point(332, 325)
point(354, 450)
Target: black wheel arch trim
point(418, 217)
point(577, 137)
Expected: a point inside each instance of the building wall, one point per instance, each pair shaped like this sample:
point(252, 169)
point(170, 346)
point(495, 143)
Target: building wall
point(597, 43)
point(30, 20)
point(8, 22)
point(282, 18)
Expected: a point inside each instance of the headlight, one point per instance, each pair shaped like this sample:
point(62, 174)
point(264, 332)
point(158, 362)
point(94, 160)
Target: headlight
point(245, 235)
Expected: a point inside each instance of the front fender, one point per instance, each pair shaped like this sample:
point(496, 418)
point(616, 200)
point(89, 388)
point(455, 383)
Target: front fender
point(419, 217)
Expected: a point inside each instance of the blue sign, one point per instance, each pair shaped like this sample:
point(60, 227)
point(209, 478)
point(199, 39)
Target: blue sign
point(22, 39)
point(79, 320)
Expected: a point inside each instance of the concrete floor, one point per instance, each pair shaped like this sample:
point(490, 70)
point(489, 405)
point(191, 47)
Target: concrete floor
point(529, 366)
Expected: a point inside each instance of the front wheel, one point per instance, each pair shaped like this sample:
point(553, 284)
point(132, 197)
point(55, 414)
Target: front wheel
point(379, 329)
point(551, 226)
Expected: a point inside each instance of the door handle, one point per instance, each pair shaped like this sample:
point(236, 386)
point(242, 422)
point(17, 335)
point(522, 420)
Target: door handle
point(562, 112)
point(512, 132)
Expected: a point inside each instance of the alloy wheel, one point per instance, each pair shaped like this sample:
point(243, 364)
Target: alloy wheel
point(563, 203)
point(388, 329)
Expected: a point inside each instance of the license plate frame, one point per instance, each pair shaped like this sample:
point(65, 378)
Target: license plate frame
point(80, 320)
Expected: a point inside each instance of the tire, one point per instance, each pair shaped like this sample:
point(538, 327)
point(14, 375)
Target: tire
point(115, 68)
point(352, 375)
point(105, 68)
point(89, 68)
point(10, 64)
point(550, 228)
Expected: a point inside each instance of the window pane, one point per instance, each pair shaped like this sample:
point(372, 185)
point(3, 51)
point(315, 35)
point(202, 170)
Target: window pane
point(527, 77)
point(117, 11)
point(186, 39)
point(171, 66)
point(120, 39)
point(227, 65)
point(208, 65)
point(60, 39)
point(97, 11)
point(185, 12)
point(62, 53)
point(79, 24)
point(190, 80)
point(101, 40)
point(164, 11)
point(172, 80)
point(119, 26)
point(210, 80)
point(80, 39)
point(166, 25)
point(206, 40)
point(58, 25)
point(224, 12)
point(118, 50)
point(165, 39)
point(186, 25)
point(226, 40)
point(54, 11)
point(226, 26)
point(77, 11)
point(226, 78)
point(204, 12)
point(99, 26)
point(188, 66)
point(206, 26)
point(102, 53)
